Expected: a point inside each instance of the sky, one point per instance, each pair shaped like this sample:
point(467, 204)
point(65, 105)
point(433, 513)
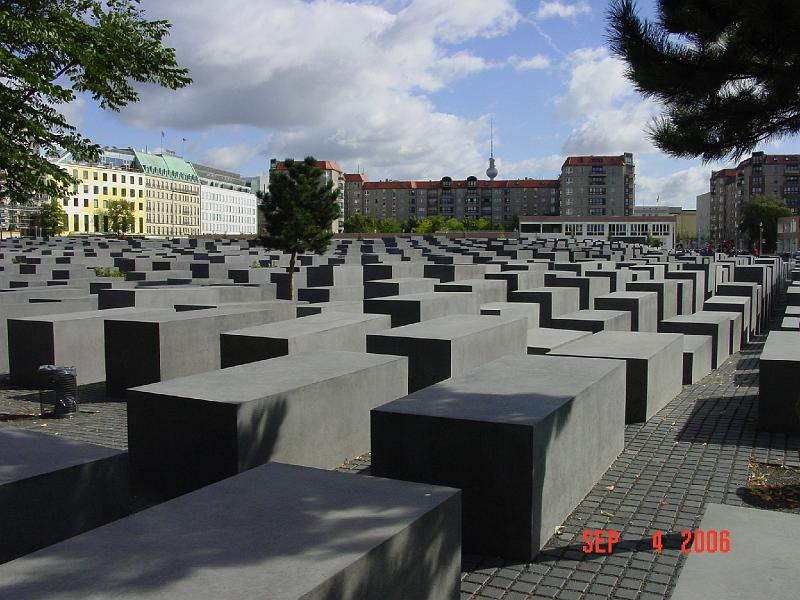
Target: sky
point(399, 89)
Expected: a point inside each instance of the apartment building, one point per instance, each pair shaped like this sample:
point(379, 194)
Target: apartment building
point(227, 205)
point(725, 205)
point(173, 195)
point(771, 175)
point(704, 216)
point(116, 176)
point(788, 234)
point(498, 201)
point(598, 186)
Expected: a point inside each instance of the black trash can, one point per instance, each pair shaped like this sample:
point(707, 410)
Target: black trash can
point(63, 381)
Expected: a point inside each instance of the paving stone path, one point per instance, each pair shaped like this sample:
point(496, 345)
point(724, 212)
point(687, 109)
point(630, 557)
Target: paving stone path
point(694, 451)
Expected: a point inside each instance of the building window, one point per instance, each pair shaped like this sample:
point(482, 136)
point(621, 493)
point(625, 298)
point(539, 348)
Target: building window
point(595, 229)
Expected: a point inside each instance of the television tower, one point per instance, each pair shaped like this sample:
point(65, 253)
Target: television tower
point(491, 172)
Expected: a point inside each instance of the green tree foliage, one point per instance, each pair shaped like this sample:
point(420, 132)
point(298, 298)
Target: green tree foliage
point(430, 224)
point(298, 209)
point(51, 218)
point(766, 211)
point(410, 224)
point(389, 225)
point(51, 51)
point(726, 71)
point(453, 225)
point(359, 223)
point(653, 241)
point(120, 216)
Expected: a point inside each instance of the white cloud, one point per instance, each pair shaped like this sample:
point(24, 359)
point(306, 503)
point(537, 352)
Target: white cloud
point(545, 167)
point(538, 61)
point(606, 114)
point(230, 157)
point(597, 80)
point(679, 188)
point(549, 9)
point(341, 80)
point(73, 111)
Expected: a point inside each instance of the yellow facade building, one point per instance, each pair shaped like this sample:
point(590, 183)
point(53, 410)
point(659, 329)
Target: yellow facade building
point(113, 178)
point(163, 189)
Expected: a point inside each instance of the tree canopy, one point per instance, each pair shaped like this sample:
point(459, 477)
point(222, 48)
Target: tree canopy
point(52, 217)
point(53, 50)
point(120, 216)
point(761, 210)
point(727, 72)
point(298, 209)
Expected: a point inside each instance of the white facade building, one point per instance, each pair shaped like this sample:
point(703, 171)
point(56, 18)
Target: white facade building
point(227, 205)
point(629, 229)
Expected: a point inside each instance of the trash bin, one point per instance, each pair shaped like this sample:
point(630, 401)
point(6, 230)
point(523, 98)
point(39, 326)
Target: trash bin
point(63, 382)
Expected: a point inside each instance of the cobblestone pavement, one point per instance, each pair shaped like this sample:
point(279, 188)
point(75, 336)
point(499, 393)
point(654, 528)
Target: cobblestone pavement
point(100, 421)
point(694, 451)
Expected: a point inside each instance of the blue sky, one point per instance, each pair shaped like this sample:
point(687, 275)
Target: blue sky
point(399, 89)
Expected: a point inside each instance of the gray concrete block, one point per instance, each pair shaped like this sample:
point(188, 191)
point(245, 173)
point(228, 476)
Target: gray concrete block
point(594, 320)
point(519, 280)
point(149, 347)
point(738, 304)
point(667, 290)
point(549, 427)
point(513, 310)
point(188, 432)
point(52, 488)
point(449, 346)
point(761, 562)
point(715, 324)
point(543, 339)
point(790, 324)
point(276, 531)
point(339, 293)
point(455, 272)
point(72, 339)
point(590, 287)
point(552, 301)
point(643, 307)
point(753, 291)
point(654, 366)
point(485, 290)
point(326, 331)
point(16, 311)
point(413, 308)
point(381, 288)
point(779, 394)
point(698, 286)
point(696, 357)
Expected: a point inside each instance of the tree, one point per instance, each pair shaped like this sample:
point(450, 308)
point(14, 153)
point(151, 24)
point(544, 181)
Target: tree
point(726, 71)
point(51, 218)
point(53, 50)
point(453, 225)
point(359, 223)
point(483, 224)
point(298, 209)
point(764, 211)
point(120, 216)
point(653, 241)
point(410, 224)
point(388, 225)
point(430, 224)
